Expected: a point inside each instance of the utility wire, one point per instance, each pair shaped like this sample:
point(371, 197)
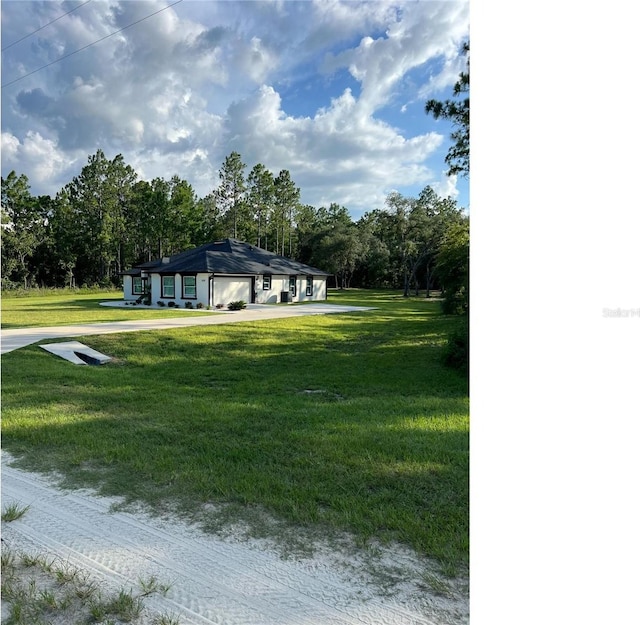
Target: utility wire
point(66, 56)
point(41, 27)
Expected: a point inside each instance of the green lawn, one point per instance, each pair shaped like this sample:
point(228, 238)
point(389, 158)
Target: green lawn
point(342, 422)
point(72, 308)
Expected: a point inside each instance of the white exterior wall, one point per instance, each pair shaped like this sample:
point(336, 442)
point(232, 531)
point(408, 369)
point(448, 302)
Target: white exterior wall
point(272, 296)
point(156, 287)
point(320, 289)
point(127, 288)
point(231, 288)
point(281, 283)
point(202, 290)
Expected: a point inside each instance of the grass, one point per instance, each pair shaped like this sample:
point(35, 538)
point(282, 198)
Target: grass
point(337, 422)
point(37, 591)
point(13, 512)
point(73, 308)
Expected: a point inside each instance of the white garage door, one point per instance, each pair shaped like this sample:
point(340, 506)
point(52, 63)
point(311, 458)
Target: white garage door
point(227, 290)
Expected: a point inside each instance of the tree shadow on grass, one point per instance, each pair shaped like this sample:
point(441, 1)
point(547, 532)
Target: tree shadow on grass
point(379, 446)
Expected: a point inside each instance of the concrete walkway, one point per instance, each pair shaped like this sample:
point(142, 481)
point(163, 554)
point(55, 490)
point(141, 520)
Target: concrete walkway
point(15, 339)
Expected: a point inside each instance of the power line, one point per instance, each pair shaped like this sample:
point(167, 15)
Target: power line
point(41, 27)
point(66, 56)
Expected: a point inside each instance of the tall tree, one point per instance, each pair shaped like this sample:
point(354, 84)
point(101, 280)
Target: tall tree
point(287, 200)
point(230, 194)
point(212, 227)
point(97, 199)
point(64, 234)
point(457, 111)
point(261, 200)
point(24, 220)
point(185, 215)
point(374, 268)
point(452, 265)
point(338, 249)
point(430, 217)
point(403, 246)
point(141, 219)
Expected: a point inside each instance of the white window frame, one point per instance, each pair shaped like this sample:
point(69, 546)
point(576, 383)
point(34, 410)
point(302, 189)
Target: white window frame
point(184, 290)
point(134, 281)
point(173, 287)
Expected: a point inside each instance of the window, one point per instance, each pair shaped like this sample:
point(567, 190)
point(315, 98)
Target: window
point(168, 286)
point(309, 285)
point(138, 288)
point(292, 286)
point(266, 283)
point(188, 287)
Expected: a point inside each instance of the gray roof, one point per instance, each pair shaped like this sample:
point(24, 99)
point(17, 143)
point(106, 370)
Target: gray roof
point(229, 256)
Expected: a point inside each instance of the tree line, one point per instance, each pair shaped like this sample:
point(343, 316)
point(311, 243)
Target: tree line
point(106, 220)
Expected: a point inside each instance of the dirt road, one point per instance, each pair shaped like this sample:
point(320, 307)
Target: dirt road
point(212, 579)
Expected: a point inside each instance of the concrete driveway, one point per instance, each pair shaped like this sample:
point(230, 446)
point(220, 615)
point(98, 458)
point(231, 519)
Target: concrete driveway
point(15, 339)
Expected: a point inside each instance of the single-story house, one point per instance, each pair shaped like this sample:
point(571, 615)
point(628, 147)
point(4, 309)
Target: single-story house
point(225, 271)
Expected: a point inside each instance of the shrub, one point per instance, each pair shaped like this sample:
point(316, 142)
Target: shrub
point(188, 305)
point(171, 304)
point(456, 353)
point(160, 303)
point(239, 305)
point(145, 299)
point(219, 306)
point(455, 302)
point(200, 305)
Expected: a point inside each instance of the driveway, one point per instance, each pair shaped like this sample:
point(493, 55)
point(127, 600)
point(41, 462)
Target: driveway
point(15, 339)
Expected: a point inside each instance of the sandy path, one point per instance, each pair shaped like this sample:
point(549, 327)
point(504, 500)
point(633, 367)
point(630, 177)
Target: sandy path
point(213, 580)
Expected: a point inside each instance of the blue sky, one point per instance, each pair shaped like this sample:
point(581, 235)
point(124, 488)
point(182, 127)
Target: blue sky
point(333, 91)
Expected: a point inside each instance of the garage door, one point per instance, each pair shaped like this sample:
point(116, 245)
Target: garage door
point(227, 290)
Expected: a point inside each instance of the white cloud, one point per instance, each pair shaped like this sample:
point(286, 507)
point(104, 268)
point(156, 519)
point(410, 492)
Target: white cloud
point(39, 156)
point(447, 186)
point(410, 41)
point(10, 147)
point(340, 155)
point(176, 93)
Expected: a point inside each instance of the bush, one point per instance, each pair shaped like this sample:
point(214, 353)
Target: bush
point(239, 305)
point(160, 303)
point(145, 299)
point(171, 304)
point(188, 305)
point(455, 302)
point(199, 305)
point(456, 353)
point(219, 306)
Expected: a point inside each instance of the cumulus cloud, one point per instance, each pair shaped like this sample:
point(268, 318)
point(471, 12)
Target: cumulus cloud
point(177, 92)
point(41, 157)
point(340, 155)
point(446, 186)
point(410, 40)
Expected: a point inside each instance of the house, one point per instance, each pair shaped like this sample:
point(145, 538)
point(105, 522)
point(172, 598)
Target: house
point(225, 271)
